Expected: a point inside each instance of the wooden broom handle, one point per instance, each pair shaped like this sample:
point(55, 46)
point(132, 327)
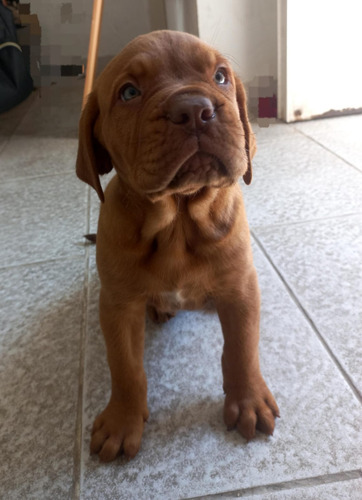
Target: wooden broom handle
point(93, 48)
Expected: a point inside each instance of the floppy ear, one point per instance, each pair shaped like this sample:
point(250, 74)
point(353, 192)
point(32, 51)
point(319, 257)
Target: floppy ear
point(92, 159)
point(250, 143)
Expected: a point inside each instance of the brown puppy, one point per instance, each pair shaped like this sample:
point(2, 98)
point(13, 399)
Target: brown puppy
point(170, 116)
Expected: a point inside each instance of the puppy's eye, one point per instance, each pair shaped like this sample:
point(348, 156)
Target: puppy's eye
point(220, 77)
point(129, 92)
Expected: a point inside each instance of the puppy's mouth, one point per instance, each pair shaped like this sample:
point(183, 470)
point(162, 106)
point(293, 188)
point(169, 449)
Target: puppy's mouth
point(201, 169)
point(198, 171)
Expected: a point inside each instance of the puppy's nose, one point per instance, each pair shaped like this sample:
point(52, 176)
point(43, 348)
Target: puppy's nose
point(194, 112)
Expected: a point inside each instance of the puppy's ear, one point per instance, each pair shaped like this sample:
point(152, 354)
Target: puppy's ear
point(92, 159)
point(250, 143)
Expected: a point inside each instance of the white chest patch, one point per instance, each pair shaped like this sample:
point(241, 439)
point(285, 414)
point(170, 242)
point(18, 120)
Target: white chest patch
point(172, 300)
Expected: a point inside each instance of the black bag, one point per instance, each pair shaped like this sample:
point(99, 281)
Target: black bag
point(15, 80)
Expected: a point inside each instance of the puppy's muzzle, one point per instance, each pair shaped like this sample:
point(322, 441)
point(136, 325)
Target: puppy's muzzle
point(192, 112)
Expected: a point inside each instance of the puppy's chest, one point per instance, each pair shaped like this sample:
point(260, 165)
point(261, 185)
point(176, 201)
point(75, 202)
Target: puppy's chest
point(189, 297)
point(176, 256)
point(173, 300)
point(172, 259)
point(175, 246)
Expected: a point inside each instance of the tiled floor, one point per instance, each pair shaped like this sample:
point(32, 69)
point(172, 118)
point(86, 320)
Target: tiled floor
point(305, 213)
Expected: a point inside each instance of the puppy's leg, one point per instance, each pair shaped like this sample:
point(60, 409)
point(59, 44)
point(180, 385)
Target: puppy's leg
point(119, 427)
point(249, 405)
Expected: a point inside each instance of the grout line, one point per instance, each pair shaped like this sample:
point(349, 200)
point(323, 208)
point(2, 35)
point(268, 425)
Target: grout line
point(78, 455)
point(40, 176)
point(306, 221)
point(329, 150)
point(85, 245)
point(321, 338)
point(307, 482)
point(88, 209)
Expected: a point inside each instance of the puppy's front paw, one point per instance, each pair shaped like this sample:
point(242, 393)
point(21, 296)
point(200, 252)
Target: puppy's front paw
point(249, 408)
point(115, 431)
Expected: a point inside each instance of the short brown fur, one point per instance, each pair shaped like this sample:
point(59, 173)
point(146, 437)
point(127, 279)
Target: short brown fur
point(172, 229)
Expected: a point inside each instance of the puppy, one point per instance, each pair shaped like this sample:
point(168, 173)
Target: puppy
point(170, 117)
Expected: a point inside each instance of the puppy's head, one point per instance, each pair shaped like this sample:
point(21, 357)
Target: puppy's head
point(170, 116)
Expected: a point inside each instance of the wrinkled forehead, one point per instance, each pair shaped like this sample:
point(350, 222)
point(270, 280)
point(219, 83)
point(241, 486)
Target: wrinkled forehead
point(170, 54)
point(178, 53)
point(176, 64)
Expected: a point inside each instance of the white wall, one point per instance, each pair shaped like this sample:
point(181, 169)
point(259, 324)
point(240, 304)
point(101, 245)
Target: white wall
point(66, 25)
point(322, 66)
point(181, 15)
point(126, 19)
point(243, 29)
point(246, 32)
